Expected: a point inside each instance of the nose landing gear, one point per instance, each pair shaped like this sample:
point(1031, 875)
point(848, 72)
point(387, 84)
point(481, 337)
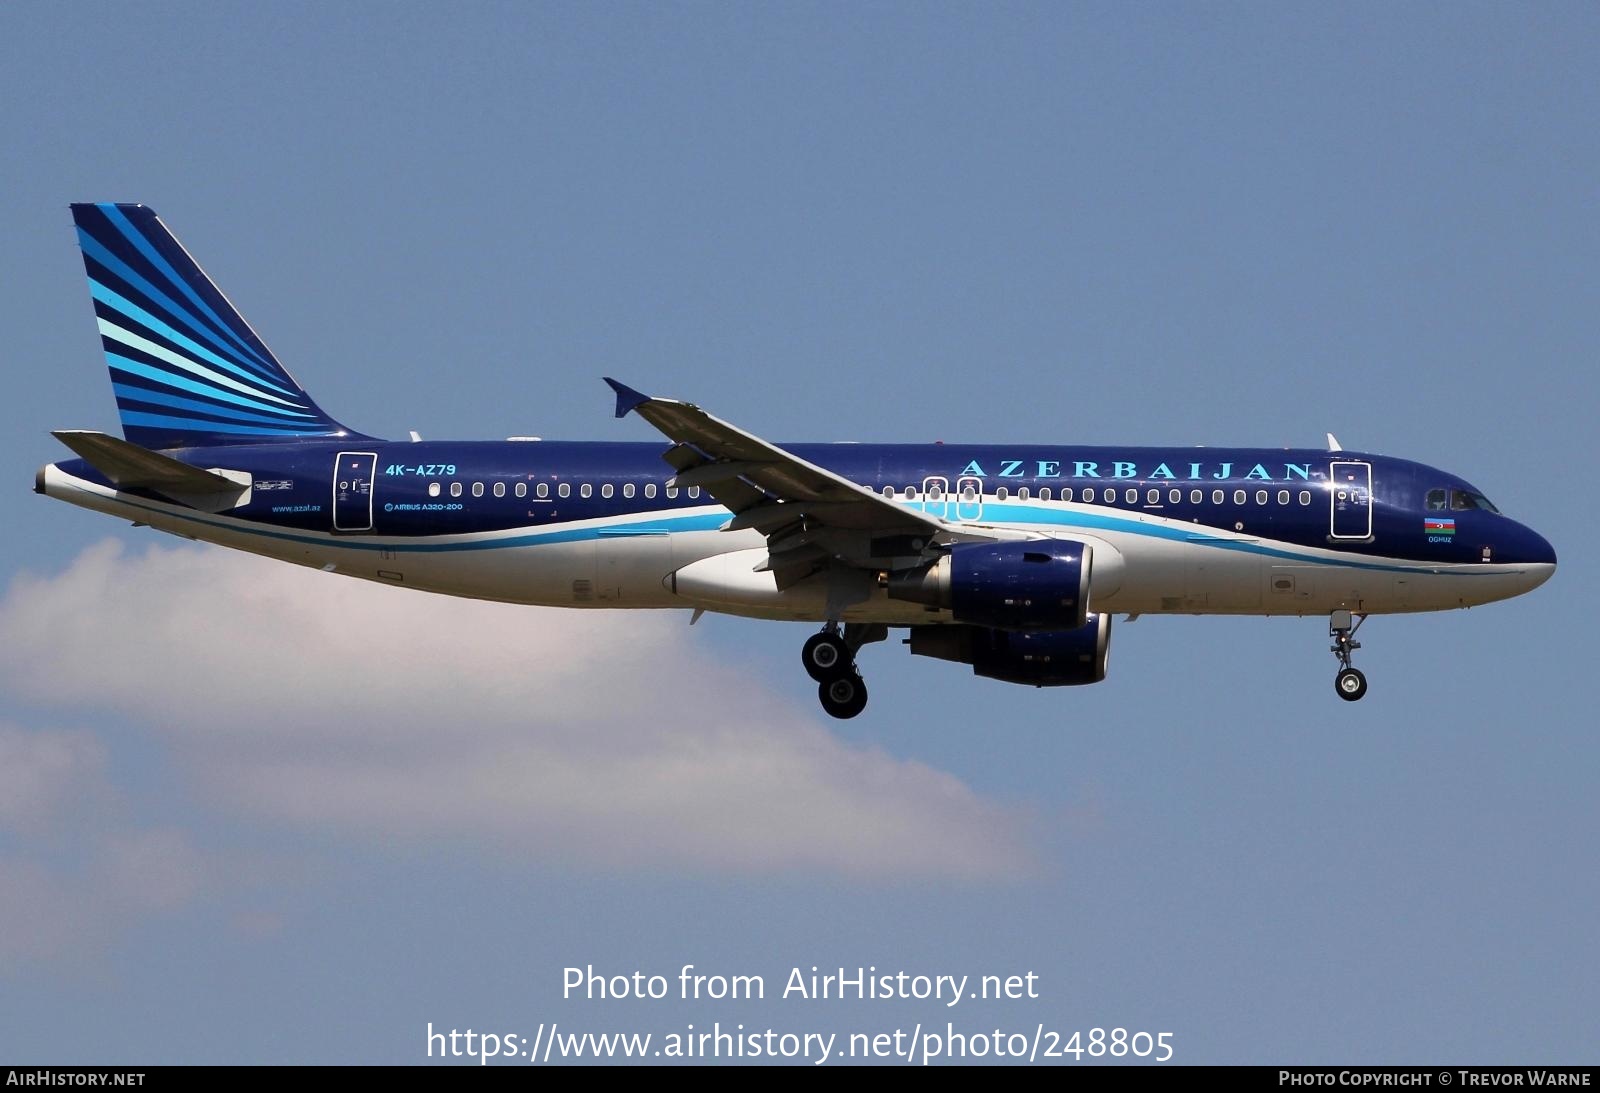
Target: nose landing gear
point(1342, 627)
point(829, 658)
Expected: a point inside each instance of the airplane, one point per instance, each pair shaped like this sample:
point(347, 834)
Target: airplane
point(1010, 559)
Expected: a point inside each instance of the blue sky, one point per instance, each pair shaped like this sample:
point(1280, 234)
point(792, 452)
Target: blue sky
point(230, 830)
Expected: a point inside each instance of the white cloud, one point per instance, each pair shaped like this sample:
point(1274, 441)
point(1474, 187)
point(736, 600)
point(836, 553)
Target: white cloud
point(152, 870)
point(76, 868)
point(43, 914)
point(45, 774)
point(332, 703)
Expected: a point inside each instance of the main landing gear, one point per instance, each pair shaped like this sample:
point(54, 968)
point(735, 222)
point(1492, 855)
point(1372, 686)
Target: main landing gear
point(830, 659)
point(1342, 627)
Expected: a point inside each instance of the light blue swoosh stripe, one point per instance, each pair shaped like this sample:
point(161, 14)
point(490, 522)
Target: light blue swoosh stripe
point(133, 235)
point(1020, 514)
point(174, 379)
point(143, 394)
point(128, 309)
point(705, 522)
point(96, 250)
point(123, 336)
point(190, 425)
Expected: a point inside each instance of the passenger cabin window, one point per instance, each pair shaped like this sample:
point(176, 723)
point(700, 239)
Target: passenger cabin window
point(605, 490)
point(522, 489)
point(433, 489)
point(564, 490)
point(1196, 496)
point(1130, 495)
point(1152, 497)
point(477, 489)
point(1174, 496)
point(1023, 493)
point(1261, 497)
point(649, 489)
point(1044, 494)
point(1305, 497)
point(694, 491)
point(888, 491)
point(1216, 497)
point(1283, 497)
point(499, 489)
point(627, 489)
point(455, 489)
point(672, 492)
point(1238, 497)
point(542, 490)
point(585, 490)
point(1002, 492)
point(1066, 493)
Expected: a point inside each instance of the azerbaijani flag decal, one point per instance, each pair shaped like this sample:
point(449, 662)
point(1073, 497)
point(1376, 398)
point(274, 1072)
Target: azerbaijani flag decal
point(1436, 525)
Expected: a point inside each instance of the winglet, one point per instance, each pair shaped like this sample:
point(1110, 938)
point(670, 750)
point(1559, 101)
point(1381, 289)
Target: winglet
point(627, 398)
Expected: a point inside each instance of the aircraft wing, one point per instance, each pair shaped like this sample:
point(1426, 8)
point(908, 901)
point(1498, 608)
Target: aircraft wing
point(810, 515)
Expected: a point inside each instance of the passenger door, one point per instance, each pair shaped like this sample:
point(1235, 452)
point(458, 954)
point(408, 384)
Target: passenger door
point(1350, 500)
point(352, 490)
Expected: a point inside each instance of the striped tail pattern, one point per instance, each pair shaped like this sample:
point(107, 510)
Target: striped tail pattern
point(188, 371)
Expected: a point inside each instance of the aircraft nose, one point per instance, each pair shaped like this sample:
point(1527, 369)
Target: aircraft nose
point(1526, 547)
point(1532, 548)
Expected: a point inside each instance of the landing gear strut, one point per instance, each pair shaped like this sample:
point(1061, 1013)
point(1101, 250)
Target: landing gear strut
point(829, 658)
point(1342, 627)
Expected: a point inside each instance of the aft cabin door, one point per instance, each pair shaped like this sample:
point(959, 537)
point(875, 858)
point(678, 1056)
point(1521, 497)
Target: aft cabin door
point(352, 490)
point(1350, 495)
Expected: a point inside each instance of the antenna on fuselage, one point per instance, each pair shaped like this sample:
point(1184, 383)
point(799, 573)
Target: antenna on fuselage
point(1333, 444)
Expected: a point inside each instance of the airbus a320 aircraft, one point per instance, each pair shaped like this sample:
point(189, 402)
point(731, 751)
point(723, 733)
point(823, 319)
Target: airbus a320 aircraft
point(1009, 559)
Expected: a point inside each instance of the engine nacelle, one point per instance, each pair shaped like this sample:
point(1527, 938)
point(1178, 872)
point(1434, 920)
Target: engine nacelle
point(1041, 584)
point(1040, 658)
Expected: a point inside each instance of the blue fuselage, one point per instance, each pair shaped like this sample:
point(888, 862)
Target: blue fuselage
point(1198, 529)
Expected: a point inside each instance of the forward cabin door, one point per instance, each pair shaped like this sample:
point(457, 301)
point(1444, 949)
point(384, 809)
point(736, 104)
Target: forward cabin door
point(1350, 498)
point(352, 490)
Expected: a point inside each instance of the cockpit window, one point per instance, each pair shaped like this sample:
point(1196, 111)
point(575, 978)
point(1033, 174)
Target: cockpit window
point(1437, 500)
point(1461, 500)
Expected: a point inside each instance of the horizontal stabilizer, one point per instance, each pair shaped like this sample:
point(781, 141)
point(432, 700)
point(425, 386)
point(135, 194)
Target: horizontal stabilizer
point(129, 466)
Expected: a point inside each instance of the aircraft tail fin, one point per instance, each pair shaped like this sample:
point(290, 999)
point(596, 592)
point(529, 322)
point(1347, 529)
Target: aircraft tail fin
point(186, 367)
